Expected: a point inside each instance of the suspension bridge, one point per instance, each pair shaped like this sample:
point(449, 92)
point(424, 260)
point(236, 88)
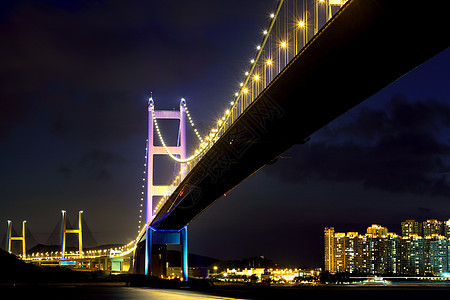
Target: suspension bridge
point(316, 60)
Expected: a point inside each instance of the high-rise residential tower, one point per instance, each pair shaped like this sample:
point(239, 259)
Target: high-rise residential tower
point(329, 249)
point(432, 227)
point(411, 227)
point(382, 252)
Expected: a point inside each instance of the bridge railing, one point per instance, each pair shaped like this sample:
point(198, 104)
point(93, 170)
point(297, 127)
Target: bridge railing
point(95, 253)
point(291, 25)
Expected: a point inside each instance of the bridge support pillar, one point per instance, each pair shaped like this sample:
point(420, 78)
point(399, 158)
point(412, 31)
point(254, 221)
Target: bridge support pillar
point(156, 244)
point(148, 250)
point(65, 231)
point(184, 253)
point(162, 190)
point(10, 238)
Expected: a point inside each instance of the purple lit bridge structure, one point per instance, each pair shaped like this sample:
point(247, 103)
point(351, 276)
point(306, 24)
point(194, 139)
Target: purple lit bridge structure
point(317, 60)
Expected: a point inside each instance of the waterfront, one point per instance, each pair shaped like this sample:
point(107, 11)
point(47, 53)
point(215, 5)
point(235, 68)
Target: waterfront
point(86, 292)
point(379, 163)
point(411, 291)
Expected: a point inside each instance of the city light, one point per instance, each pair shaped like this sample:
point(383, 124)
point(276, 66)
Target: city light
point(257, 78)
point(424, 249)
point(237, 103)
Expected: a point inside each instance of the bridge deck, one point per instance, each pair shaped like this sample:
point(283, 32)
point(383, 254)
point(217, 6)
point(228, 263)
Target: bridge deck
point(366, 46)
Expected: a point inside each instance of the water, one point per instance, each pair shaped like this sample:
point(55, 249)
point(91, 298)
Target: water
point(125, 293)
point(88, 293)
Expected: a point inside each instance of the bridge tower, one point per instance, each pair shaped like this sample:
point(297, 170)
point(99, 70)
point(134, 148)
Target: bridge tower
point(10, 238)
point(65, 231)
point(155, 237)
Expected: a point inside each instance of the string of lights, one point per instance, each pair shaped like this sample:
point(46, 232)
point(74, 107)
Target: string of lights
point(287, 34)
point(276, 40)
point(163, 143)
point(191, 122)
point(141, 205)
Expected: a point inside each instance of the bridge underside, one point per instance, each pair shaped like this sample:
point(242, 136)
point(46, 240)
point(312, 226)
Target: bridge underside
point(368, 45)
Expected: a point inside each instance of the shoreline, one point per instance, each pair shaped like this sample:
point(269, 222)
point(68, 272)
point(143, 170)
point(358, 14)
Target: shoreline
point(223, 285)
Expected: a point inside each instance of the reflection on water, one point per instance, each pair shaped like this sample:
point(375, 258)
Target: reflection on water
point(175, 294)
point(88, 293)
point(243, 292)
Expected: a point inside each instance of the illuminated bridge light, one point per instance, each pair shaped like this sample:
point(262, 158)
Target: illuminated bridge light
point(273, 42)
point(272, 37)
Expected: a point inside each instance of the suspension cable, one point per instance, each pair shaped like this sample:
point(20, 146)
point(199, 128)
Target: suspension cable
point(215, 132)
point(141, 207)
point(197, 152)
point(190, 120)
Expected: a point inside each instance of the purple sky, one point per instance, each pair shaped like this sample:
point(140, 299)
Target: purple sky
point(75, 77)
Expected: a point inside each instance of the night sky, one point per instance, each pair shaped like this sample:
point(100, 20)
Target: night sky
point(75, 77)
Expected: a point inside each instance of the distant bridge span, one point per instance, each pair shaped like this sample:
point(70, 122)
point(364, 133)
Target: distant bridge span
point(365, 47)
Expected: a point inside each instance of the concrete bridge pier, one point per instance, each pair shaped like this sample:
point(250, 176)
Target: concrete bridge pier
point(156, 244)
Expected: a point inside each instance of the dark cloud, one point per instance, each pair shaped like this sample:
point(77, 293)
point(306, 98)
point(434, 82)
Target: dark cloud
point(93, 63)
point(65, 171)
point(12, 112)
point(400, 150)
point(429, 116)
point(109, 45)
point(97, 117)
point(79, 60)
point(97, 157)
point(424, 210)
point(99, 163)
point(370, 124)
